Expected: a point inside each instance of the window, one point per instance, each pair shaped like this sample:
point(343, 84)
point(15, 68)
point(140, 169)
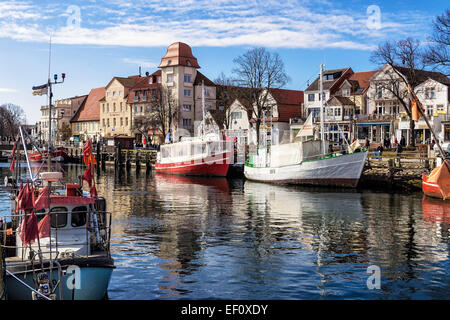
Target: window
point(126, 122)
point(103, 107)
point(58, 217)
point(120, 93)
point(107, 122)
point(136, 96)
point(311, 97)
point(114, 107)
point(170, 78)
point(114, 93)
point(121, 106)
point(346, 93)
point(121, 122)
point(206, 93)
point(186, 122)
point(187, 107)
point(136, 109)
point(142, 109)
point(187, 93)
point(144, 95)
point(429, 93)
point(430, 110)
point(187, 78)
point(78, 218)
point(114, 122)
point(378, 91)
point(104, 123)
point(107, 94)
point(159, 79)
point(107, 107)
point(236, 115)
point(440, 107)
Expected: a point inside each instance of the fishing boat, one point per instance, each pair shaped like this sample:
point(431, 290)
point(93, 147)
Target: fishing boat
point(58, 155)
point(306, 162)
point(208, 154)
point(56, 236)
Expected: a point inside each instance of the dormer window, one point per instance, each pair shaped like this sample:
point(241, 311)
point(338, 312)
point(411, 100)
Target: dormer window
point(169, 62)
point(188, 63)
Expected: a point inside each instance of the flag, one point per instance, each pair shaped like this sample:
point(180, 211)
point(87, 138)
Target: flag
point(28, 229)
point(13, 161)
point(40, 90)
point(89, 161)
point(44, 227)
point(415, 114)
point(43, 198)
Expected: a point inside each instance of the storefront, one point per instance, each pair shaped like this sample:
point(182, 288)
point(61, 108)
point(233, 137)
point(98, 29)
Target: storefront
point(374, 131)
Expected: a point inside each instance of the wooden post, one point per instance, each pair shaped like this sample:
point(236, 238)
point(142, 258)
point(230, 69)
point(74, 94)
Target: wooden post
point(2, 280)
point(137, 160)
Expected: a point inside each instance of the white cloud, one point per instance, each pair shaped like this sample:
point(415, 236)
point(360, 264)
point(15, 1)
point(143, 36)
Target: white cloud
point(8, 90)
point(152, 23)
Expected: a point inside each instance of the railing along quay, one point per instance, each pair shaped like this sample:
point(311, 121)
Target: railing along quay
point(396, 171)
point(117, 157)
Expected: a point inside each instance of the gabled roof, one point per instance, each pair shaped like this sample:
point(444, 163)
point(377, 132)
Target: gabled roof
point(284, 96)
point(362, 80)
point(90, 108)
point(343, 101)
point(330, 84)
point(201, 77)
point(423, 75)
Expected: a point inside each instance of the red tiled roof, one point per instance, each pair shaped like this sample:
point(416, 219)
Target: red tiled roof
point(288, 111)
point(90, 108)
point(201, 77)
point(283, 96)
point(179, 54)
point(362, 78)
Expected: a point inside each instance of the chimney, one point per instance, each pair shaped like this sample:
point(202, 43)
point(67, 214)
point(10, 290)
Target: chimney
point(139, 71)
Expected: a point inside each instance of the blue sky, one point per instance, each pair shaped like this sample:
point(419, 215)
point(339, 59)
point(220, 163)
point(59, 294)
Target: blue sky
point(96, 40)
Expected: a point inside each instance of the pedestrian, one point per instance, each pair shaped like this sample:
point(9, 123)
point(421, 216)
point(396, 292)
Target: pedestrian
point(380, 150)
point(399, 149)
point(403, 141)
point(367, 145)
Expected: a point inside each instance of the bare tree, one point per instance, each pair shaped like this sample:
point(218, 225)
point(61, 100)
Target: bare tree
point(11, 117)
point(162, 116)
point(404, 58)
point(227, 91)
point(437, 53)
point(259, 71)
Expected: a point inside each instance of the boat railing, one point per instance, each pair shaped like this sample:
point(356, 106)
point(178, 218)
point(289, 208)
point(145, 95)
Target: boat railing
point(96, 236)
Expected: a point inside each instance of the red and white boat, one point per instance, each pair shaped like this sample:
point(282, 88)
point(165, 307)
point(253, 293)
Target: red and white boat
point(199, 156)
point(59, 155)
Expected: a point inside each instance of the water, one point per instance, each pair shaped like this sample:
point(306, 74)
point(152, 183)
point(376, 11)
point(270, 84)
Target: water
point(199, 238)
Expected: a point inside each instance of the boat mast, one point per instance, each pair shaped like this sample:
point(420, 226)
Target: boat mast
point(322, 133)
point(203, 108)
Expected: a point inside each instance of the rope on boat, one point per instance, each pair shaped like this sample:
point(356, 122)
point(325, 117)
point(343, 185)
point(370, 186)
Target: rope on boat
point(33, 290)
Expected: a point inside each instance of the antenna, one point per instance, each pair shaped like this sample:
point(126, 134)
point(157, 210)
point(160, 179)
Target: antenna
point(49, 54)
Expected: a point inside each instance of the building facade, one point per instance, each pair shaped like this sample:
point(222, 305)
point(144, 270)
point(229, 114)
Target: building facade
point(86, 121)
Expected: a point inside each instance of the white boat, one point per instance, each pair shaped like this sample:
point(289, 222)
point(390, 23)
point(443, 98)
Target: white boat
point(343, 170)
point(305, 162)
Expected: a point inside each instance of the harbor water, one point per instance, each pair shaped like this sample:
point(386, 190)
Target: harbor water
point(176, 237)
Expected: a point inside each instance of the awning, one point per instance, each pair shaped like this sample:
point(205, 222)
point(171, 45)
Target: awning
point(373, 123)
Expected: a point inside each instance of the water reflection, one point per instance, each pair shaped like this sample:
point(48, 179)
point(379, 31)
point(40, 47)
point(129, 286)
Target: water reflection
point(201, 238)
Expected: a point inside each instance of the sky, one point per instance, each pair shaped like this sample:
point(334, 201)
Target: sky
point(93, 41)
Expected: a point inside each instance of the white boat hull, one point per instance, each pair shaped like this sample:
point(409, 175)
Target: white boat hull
point(343, 171)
